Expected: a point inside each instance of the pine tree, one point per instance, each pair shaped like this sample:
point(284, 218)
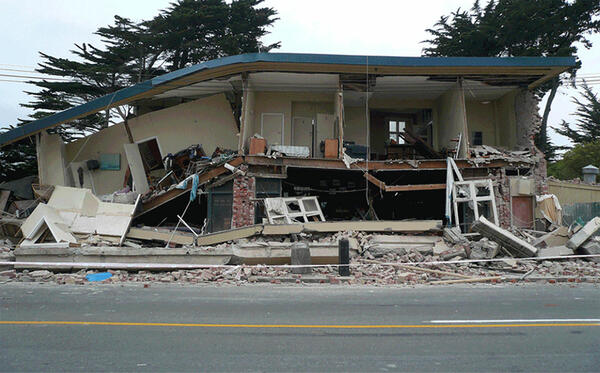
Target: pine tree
point(17, 160)
point(586, 128)
point(186, 33)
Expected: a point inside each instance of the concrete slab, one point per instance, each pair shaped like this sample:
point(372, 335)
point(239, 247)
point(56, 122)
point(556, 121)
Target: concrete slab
point(504, 238)
point(584, 233)
point(555, 251)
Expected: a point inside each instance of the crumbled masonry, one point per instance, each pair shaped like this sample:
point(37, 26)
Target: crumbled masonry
point(377, 259)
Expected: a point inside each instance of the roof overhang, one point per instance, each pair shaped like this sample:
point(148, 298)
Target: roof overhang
point(542, 68)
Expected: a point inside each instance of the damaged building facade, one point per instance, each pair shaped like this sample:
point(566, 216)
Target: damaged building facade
point(373, 138)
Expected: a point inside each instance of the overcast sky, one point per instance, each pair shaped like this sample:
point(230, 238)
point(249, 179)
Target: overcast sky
point(374, 27)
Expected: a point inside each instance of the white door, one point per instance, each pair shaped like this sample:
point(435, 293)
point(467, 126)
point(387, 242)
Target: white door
point(324, 128)
point(302, 132)
point(271, 128)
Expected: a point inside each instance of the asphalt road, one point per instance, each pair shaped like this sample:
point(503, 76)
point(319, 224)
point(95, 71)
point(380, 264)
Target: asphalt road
point(274, 328)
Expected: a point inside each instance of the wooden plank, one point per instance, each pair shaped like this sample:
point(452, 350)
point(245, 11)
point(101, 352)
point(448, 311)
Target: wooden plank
point(375, 181)
point(174, 193)
point(415, 187)
point(229, 235)
point(420, 145)
point(422, 164)
point(147, 234)
point(402, 188)
point(162, 199)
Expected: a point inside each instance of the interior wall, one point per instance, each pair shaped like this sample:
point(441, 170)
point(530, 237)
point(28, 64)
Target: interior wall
point(208, 121)
point(506, 124)
point(450, 119)
point(356, 121)
point(355, 125)
point(281, 102)
point(482, 118)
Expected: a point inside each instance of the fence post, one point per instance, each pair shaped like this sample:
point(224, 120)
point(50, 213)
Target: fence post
point(344, 257)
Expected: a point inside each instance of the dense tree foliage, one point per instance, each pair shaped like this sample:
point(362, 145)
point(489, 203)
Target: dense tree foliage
point(587, 124)
point(18, 160)
point(518, 28)
point(569, 167)
point(186, 33)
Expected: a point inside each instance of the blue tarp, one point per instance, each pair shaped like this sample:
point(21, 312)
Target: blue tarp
point(93, 277)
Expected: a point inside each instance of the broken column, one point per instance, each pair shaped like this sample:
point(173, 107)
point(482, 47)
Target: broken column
point(502, 194)
point(300, 255)
point(529, 124)
point(244, 188)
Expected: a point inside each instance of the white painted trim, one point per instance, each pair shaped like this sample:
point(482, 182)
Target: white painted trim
point(157, 143)
point(262, 119)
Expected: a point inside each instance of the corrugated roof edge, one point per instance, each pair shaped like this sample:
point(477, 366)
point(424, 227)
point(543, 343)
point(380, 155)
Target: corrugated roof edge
point(123, 94)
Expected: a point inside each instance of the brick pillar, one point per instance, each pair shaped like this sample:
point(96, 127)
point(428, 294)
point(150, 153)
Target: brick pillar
point(540, 174)
point(502, 194)
point(243, 205)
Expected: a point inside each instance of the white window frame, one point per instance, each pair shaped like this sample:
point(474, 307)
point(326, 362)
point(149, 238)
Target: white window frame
point(406, 121)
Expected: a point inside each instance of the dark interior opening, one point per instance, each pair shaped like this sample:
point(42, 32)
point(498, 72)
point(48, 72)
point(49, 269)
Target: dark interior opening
point(416, 204)
point(166, 215)
point(343, 195)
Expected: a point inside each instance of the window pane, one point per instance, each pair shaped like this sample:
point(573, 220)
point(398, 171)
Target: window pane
point(394, 138)
point(392, 126)
point(401, 126)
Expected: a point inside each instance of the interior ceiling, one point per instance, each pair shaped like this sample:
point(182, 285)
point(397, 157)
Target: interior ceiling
point(274, 81)
point(397, 87)
point(204, 88)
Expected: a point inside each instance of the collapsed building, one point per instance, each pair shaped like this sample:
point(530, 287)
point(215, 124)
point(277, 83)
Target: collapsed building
point(276, 139)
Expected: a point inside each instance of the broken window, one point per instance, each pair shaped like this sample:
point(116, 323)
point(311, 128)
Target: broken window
point(265, 188)
point(293, 210)
point(396, 128)
point(474, 198)
point(220, 202)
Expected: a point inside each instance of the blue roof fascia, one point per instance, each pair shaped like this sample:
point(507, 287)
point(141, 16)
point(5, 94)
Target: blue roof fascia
point(123, 94)
point(94, 105)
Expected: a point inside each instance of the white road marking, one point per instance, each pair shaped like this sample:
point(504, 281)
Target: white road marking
point(509, 321)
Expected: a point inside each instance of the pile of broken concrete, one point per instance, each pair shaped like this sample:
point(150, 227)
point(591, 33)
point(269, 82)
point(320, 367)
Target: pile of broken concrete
point(493, 255)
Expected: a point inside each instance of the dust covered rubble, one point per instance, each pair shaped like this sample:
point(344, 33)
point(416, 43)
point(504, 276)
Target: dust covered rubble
point(370, 265)
point(363, 271)
point(377, 259)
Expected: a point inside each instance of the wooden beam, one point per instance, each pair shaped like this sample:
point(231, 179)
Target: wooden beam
point(147, 234)
point(401, 188)
point(128, 130)
point(375, 181)
point(415, 187)
point(399, 165)
point(174, 193)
